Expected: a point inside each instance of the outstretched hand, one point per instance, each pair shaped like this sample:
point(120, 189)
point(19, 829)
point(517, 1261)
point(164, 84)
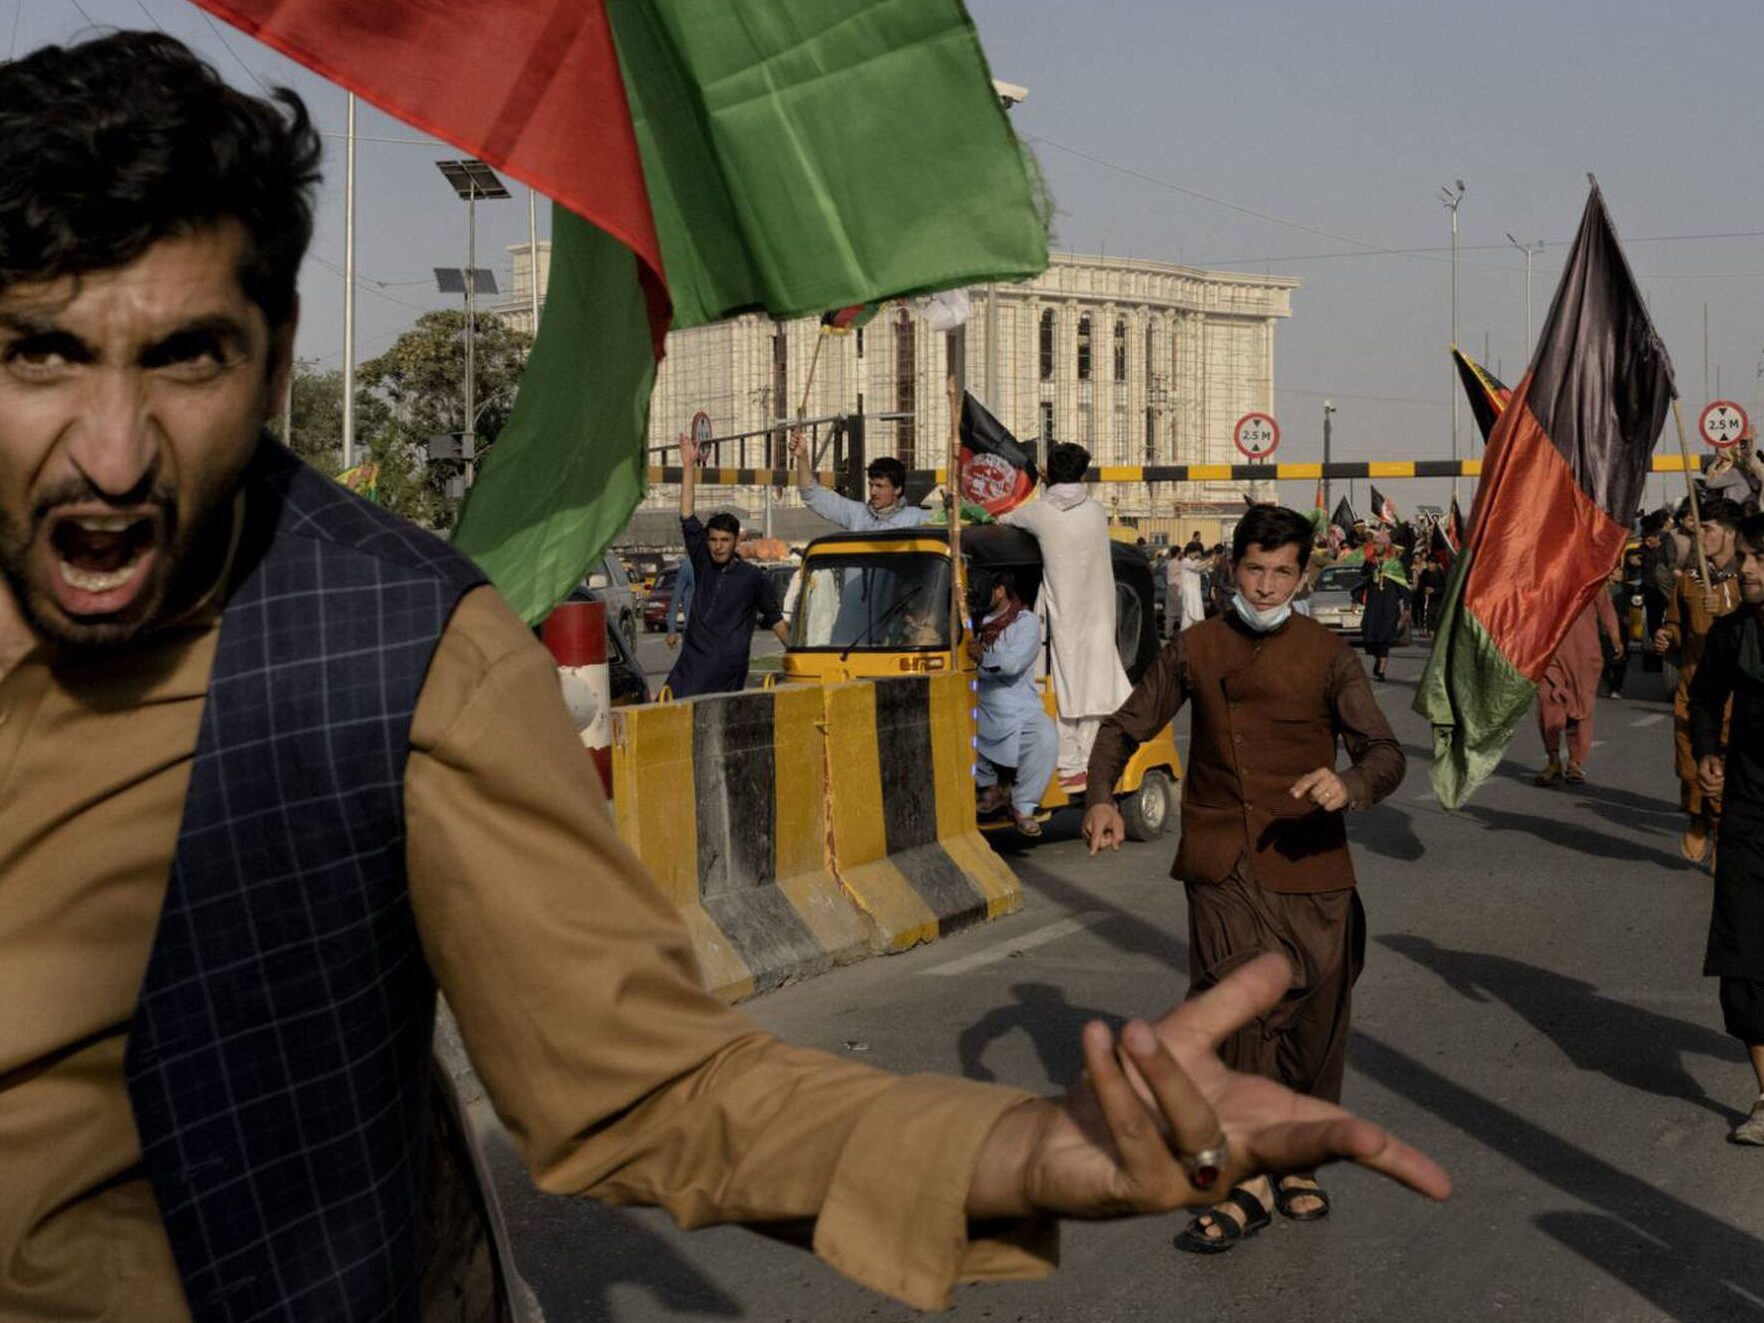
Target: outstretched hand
point(1111, 1146)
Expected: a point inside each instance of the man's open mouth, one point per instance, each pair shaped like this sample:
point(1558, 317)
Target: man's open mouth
point(100, 560)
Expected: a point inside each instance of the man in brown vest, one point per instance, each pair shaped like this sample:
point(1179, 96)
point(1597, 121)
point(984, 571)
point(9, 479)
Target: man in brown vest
point(1264, 853)
point(1690, 612)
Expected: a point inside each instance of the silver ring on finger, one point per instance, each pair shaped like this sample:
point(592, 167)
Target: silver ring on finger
point(1205, 1166)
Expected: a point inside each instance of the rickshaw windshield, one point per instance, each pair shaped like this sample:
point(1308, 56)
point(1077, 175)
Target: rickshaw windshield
point(873, 603)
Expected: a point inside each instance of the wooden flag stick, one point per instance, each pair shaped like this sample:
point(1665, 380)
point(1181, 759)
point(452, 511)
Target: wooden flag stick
point(1690, 488)
point(952, 496)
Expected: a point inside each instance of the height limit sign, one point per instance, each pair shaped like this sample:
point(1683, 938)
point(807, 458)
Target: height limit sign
point(1257, 435)
point(1723, 423)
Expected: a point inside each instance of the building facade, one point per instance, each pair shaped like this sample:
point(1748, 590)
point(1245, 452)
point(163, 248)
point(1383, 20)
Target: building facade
point(1142, 362)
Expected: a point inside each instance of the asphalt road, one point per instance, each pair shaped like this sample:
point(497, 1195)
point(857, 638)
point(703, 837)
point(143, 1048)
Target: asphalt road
point(1531, 1014)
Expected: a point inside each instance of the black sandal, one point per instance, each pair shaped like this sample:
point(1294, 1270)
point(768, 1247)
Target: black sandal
point(1286, 1195)
point(1194, 1238)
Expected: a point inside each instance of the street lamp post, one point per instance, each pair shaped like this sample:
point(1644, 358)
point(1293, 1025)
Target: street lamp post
point(1530, 250)
point(471, 179)
point(1452, 196)
point(1328, 416)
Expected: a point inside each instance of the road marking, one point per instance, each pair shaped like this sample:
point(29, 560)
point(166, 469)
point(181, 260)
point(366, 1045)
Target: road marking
point(1652, 719)
point(1005, 948)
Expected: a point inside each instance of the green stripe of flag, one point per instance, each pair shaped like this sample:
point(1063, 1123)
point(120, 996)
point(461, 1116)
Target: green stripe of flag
point(799, 155)
point(1473, 696)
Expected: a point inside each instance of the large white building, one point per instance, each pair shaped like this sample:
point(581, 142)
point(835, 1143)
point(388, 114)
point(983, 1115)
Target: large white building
point(1142, 362)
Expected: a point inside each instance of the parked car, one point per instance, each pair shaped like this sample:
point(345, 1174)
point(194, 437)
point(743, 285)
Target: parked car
point(658, 607)
point(1333, 606)
point(612, 585)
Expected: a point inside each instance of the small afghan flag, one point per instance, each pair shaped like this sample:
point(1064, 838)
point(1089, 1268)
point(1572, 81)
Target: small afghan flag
point(1487, 395)
point(363, 480)
point(1383, 508)
point(997, 472)
point(705, 160)
point(843, 321)
point(1564, 470)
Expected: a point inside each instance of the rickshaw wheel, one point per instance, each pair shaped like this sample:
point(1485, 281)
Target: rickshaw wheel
point(1146, 811)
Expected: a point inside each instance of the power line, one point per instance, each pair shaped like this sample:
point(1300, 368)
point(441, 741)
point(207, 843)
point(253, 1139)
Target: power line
point(83, 14)
point(12, 45)
point(149, 13)
point(225, 45)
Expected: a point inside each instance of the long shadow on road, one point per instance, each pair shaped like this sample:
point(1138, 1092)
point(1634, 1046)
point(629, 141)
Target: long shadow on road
point(1052, 1023)
point(1637, 1048)
point(1689, 1264)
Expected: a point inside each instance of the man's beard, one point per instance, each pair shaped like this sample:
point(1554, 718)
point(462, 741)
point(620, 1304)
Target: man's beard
point(37, 602)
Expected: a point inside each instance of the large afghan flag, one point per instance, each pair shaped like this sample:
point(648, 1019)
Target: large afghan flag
point(705, 158)
point(1560, 483)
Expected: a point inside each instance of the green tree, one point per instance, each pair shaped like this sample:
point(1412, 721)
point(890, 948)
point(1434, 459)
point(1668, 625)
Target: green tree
point(420, 382)
point(317, 415)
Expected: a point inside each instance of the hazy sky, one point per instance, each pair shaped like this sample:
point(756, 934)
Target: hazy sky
point(1340, 120)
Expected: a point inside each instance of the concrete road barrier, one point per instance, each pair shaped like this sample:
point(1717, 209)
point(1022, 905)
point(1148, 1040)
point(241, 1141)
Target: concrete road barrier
point(901, 780)
point(724, 799)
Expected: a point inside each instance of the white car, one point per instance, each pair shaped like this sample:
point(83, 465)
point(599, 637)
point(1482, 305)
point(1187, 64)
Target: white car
point(1332, 603)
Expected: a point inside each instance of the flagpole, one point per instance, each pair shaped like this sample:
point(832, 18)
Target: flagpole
point(349, 295)
point(1690, 488)
point(952, 496)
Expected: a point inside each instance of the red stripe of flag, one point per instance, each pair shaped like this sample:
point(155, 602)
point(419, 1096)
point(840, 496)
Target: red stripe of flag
point(1526, 586)
point(531, 86)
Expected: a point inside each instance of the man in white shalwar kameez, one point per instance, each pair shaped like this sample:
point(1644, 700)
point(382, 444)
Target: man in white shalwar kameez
point(1078, 596)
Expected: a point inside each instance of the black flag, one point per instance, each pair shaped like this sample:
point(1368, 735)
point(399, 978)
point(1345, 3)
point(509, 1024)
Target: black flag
point(1344, 517)
point(997, 472)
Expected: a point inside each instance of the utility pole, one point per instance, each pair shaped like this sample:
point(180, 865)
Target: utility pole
point(1530, 250)
point(533, 257)
point(1451, 197)
point(349, 294)
point(1328, 416)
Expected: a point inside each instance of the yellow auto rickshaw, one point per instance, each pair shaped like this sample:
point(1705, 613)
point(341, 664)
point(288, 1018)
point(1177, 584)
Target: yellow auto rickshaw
point(877, 604)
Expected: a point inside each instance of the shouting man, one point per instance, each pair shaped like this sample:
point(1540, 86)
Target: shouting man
point(1264, 853)
point(276, 764)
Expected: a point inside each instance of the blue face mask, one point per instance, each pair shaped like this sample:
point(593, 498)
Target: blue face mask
point(1261, 621)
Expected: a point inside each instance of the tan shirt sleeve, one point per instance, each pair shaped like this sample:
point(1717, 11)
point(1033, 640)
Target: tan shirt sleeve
point(579, 1001)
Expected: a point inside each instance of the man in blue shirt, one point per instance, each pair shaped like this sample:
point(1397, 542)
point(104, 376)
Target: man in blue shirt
point(886, 507)
point(728, 595)
point(1015, 730)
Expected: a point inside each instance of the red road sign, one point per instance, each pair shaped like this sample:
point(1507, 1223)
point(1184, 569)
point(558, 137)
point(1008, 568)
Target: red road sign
point(1256, 435)
point(1722, 423)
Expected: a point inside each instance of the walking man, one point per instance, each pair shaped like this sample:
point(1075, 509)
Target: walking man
point(1729, 750)
point(1014, 727)
point(277, 765)
point(1078, 597)
point(1691, 611)
point(1568, 695)
point(1264, 855)
point(728, 597)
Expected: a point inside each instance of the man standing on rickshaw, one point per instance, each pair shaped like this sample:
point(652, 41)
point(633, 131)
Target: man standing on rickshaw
point(1078, 594)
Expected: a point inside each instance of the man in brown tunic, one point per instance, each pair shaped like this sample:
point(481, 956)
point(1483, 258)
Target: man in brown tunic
point(1264, 853)
point(1690, 611)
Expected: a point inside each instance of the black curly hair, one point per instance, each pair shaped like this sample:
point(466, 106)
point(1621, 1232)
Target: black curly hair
point(110, 145)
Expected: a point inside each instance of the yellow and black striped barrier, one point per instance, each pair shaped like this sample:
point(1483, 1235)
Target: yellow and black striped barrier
point(1391, 469)
point(901, 782)
point(724, 798)
point(806, 826)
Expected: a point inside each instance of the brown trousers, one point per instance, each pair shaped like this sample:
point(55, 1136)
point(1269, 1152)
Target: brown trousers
point(1302, 1042)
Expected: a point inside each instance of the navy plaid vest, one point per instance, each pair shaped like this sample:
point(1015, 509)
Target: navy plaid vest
point(279, 1058)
